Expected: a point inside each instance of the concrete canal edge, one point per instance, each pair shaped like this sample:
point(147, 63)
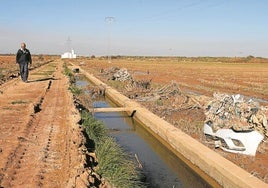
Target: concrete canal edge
point(223, 171)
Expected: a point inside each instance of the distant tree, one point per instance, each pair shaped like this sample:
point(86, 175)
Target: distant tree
point(250, 57)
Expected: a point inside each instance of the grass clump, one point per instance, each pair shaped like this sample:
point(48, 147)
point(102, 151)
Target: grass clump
point(75, 90)
point(68, 72)
point(95, 129)
point(18, 102)
point(113, 163)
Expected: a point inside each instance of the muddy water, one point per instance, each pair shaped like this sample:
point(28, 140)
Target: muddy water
point(160, 166)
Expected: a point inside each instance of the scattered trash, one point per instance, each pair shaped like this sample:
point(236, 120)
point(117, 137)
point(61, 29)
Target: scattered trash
point(232, 111)
point(167, 91)
point(115, 73)
point(142, 91)
point(232, 118)
point(122, 75)
point(235, 142)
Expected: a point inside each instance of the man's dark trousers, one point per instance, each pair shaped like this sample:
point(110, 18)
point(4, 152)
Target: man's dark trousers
point(24, 71)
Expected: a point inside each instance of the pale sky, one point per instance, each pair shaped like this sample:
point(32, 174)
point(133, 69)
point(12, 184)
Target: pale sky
point(140, 27)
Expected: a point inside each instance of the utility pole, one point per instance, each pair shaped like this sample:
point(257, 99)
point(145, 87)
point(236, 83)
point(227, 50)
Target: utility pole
point(109, 20)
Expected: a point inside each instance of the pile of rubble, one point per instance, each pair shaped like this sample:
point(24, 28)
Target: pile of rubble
point(234, 112)
point(169, 90)
point(122, 75)
point(133, 85)
point(115, 73)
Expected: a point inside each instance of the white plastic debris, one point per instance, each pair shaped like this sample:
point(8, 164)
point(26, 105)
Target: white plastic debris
point(248, 141)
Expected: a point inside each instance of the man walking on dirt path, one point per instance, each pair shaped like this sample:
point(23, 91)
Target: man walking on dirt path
point(24, 58)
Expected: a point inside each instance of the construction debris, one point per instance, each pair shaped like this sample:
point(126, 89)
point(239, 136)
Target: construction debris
point(122, 75)
point(115, 73)
point(142, 91)
point(235, 142)
point(140, 84)
point(234, 112)
point(167, 91)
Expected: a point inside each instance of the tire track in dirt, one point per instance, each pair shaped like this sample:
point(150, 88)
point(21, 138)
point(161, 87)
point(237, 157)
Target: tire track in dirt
point(15, 110)
point(43, 149)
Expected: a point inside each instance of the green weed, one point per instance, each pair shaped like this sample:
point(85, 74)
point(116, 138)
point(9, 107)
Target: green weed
point(159, 102)
point(44, 73)
point(114, 164)
point(18, 102)
point(95, 129)
point(75, 90)
point(68, 72)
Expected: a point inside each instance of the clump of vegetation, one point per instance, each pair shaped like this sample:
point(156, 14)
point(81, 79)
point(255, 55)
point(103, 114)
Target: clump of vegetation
point(68, 72)
point(116, 166)
point(95, 129)
point(1, 74)
point(159, 102)
point(75, 90)
point(113, 163)
point(18, 102)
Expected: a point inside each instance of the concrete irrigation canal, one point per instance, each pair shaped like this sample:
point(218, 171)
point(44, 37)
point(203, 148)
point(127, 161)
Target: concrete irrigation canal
point(169, 156)
point(161, 167)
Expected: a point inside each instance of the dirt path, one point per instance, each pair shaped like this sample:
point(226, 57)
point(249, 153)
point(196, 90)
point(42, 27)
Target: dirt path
point(39, 137)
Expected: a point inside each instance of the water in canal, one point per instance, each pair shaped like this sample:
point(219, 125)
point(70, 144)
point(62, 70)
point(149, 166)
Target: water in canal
point(161, 167)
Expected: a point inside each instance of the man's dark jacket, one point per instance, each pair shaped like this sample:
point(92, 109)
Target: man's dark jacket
point(23, 56)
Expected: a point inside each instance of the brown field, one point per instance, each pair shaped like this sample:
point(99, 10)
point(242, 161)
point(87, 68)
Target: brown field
point(202, 76)
point(233, 75)
point(9, 69)
point(8, 62)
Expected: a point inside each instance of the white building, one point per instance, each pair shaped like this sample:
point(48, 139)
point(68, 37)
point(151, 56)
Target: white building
point(68, 55)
